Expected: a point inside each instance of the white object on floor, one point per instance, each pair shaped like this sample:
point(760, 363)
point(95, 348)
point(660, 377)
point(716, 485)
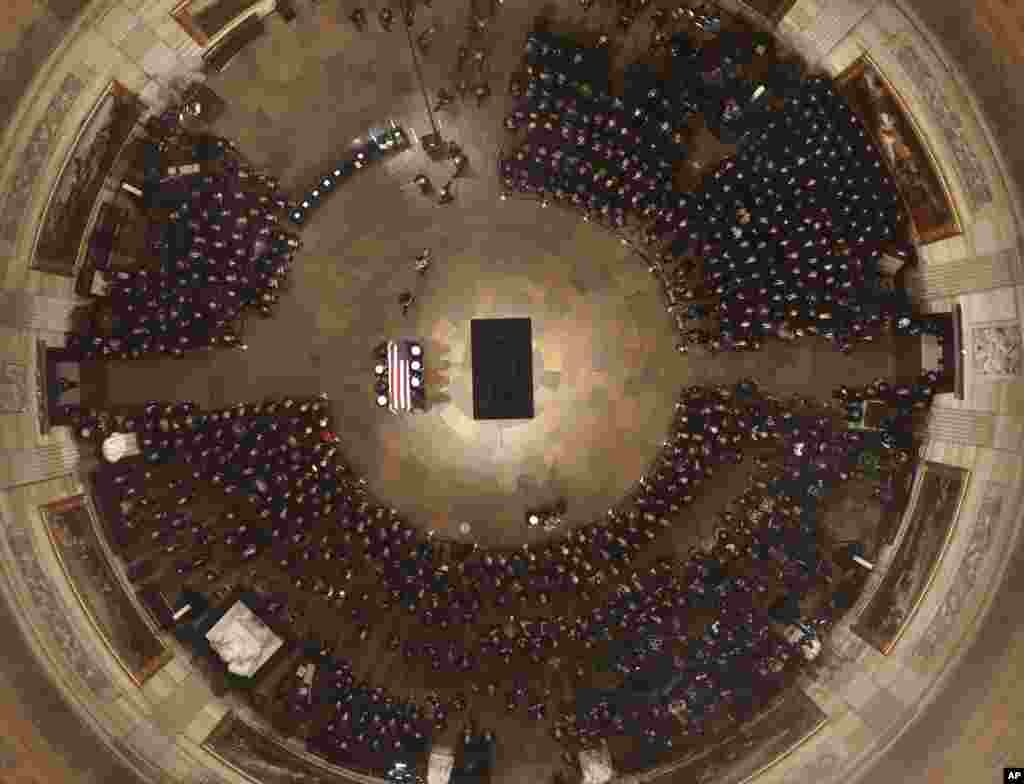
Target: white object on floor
point(118, 445)
point(440, 765)
point(866, 564)
point(596, 765)
point(243, 641)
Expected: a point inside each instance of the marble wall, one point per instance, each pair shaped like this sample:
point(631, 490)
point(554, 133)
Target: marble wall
point(934, 509)
point(990, 517)
point(88, 566)
point(14, 387)
point(25, 311)
point(36, 154)
point(48, 608)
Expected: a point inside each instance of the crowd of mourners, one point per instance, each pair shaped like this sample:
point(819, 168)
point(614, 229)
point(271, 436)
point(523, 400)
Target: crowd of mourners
point(215, 252)
point(255, 451)
point(782, 239)
point(291, 508)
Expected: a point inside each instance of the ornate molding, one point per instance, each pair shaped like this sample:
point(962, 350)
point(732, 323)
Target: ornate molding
point(977, 428)
point(983, 534)
point(49, 610)
point(819, 29)
point(48, 461)
point(22, 310)
point(38, 151)
point(819, 768)
point(972, 172)
point(996, 349)
point(966, 276)
point(14, 389)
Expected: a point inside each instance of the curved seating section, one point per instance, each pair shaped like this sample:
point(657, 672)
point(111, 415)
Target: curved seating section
point(214, 253)
point(786, 237)
point(936, 635)
point(311, 548)
point(379, 142)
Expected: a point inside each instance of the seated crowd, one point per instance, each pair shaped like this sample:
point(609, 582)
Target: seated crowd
point(259, 494)
point(216, 252)
point(783, 239)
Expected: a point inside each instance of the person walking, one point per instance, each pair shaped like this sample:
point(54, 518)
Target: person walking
point(358, 18)
point(423, 260)
point(444, 99)
point(482, 92)
point(425, 39)
point(405, 300)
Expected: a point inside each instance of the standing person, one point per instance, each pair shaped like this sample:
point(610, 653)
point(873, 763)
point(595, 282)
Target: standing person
point(358, 18)
point(444, 98)
point(424, 39)
point(446, 196)
point(423, 260)
point(386, 16)
point(405, 300)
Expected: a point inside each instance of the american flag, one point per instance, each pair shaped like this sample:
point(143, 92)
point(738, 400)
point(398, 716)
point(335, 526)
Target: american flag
point(398, 379)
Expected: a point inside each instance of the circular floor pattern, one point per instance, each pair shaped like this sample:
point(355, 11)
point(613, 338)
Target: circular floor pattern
point(606, 374)
point(605, 370)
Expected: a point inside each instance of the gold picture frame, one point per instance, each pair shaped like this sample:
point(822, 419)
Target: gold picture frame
point(919, 553)
point(71, 527)
point(924, 189)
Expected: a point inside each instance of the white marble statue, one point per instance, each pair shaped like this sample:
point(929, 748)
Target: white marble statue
point(243, 641)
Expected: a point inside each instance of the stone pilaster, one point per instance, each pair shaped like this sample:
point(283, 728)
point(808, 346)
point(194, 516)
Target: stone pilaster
point(974, 428)
point(48, 461)
point(21, 310)
point(983, 273)
point(815, 27)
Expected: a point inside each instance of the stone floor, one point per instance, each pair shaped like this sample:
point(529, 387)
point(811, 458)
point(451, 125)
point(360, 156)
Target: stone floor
point(605, 370)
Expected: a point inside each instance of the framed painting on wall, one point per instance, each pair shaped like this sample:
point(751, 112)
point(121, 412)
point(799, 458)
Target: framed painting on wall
point(75, 198)
point(931, 519)
point(260, 754)
point(774, 10)
point(206, 21)
point(925, 193)
point(70, 526)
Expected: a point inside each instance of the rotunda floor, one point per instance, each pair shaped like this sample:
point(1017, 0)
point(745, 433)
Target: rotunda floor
point(606, 373)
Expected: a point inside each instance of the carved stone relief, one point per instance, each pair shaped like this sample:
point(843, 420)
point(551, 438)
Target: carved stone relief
point(13, 387)
point(996, 349)
point(38, 151)
point(979, 191)
point(978, 546)
point(49, 610)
